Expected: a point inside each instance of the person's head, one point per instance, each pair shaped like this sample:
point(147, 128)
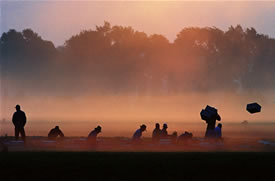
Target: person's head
point(157, 125)
point(98, 129)
point(57, 127)
point(17, 107)
point(164, 126)
point(220, 125)
point(143, 127)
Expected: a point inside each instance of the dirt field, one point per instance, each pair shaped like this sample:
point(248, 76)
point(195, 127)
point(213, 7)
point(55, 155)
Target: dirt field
point(122, 144)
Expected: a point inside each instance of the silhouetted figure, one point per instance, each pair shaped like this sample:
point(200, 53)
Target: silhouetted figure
point(55, 132)
point(156, 133)
point(19, 120)
point(137, 135)
point(211, 123)
point(185, 137)
point(245, 122)
point(210, 115)
point(164, 133)
point(174, 137)
point(93, 134)
point(218, 131)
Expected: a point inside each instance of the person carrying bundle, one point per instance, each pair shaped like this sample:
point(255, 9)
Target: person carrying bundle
point(210, 115)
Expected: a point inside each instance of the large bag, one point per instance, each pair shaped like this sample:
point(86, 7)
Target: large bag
point(208, 113)
point(253, 108)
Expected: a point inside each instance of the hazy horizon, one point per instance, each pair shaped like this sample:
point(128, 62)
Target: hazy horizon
point(114, 72)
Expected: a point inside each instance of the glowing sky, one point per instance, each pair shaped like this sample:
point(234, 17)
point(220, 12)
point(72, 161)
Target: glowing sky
point(59, 20)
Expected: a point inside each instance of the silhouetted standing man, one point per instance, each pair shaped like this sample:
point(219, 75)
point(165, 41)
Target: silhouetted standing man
point(19, 120)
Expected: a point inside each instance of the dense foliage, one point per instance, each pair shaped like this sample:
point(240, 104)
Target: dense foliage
point(119, 59)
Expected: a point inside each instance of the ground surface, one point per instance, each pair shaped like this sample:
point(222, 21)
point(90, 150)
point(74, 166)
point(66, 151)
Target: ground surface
point(137, 166)
point(121, 144)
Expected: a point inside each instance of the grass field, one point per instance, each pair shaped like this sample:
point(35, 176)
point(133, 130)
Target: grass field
point(137, 166)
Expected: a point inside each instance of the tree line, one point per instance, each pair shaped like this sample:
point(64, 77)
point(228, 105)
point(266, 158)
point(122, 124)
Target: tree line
point(118, 59)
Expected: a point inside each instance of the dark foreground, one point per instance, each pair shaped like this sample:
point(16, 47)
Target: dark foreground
point(137, 166)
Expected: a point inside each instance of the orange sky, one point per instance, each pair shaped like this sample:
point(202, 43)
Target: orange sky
point(58, 20)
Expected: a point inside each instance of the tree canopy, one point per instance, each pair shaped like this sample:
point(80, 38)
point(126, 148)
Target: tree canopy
point(120, 59)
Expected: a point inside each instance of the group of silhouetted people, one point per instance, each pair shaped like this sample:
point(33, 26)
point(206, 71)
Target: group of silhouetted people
point(19, 120)
point(159, 134)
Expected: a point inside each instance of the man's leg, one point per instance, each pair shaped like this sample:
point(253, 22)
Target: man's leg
point(22, 132)
point(16, 130)
point(207, 133)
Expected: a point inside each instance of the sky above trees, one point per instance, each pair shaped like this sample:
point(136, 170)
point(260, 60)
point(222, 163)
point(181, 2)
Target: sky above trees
point(58, 21)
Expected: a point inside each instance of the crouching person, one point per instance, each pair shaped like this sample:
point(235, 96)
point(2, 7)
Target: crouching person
point(55, 132)
point(185, 138)
point(137, 135)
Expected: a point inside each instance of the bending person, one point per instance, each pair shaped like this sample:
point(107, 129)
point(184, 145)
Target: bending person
point(137, 135)
point(55, 132)
point(93, 135)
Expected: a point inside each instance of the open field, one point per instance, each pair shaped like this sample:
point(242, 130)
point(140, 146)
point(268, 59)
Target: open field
point(137, 166)
point(124, 144)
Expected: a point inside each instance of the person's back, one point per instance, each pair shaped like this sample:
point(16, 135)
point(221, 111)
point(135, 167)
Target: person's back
point(93, 134)
point(137, 135)
point(55, 132)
